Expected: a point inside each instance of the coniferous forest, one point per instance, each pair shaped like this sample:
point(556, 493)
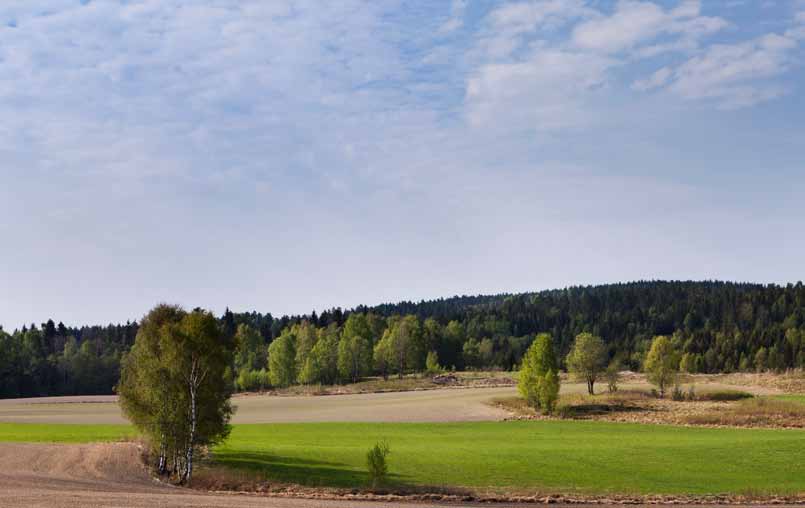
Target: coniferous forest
point(716, 327)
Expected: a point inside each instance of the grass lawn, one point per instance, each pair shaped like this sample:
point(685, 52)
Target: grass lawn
point(63, 433)
point(527, 456)
point(551, 456)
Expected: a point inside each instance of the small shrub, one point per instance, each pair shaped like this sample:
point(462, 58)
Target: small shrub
point(376, 463)
point(564, 411)
point(677, 394)
point(432, 367)
point(613, 375)
point(753, 412)
point(691, 395)
point(725, 395)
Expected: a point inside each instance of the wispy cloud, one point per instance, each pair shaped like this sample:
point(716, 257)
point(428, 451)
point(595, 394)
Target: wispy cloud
point(144, 142)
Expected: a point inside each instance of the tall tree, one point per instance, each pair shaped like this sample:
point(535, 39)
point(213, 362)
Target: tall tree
point(662, 363)
point(282, 360)
point(176, 385)
point(539, 375)
point(355, 348)
point(587, 359)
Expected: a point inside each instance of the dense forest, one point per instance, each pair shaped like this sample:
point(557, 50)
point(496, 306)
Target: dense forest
point(716, 326)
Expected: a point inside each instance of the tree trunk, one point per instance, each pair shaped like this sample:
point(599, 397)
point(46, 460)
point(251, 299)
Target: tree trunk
point(162, 466)
point(591, 386)
point(188, 473)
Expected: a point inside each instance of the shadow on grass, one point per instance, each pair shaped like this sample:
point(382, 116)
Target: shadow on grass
point(593, 409)
point(305, 472)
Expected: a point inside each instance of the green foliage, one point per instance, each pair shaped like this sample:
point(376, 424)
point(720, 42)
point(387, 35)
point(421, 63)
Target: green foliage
point(176, 384)
point(587, 359)
point(376, 463)
point(64, 433)
point(717, 327)
point(725, 395)
point(251, 350)
point(539, 375)
point(252, 380)
point(382, 355)
point(355, 348)
point(662, 363)
point(471, 353)
point(282, 360)
point(432, 366)
point(305, 336)
point(613, 375)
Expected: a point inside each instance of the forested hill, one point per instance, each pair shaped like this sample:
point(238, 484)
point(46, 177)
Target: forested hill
point(719, 326)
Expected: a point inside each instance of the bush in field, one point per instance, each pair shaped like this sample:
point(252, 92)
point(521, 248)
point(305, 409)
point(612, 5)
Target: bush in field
point(726, 395)
point(432, 367)
point(251, 380)
point(539, 375)
point(376, 463)
point(587, 359)
point(613, 376)
point(662, 363)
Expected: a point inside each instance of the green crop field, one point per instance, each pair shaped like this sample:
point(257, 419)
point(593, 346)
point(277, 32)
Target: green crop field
point(551, 456)
point(588, 457)
point(63, 433)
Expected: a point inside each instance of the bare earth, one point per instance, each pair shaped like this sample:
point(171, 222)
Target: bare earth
point(466, 404)
point(440, 405)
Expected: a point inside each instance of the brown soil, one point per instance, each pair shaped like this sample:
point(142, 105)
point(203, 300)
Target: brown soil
point(642, 408)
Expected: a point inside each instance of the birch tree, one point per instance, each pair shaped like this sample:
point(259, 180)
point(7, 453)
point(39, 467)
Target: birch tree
point(176, 385)
point(587, 359)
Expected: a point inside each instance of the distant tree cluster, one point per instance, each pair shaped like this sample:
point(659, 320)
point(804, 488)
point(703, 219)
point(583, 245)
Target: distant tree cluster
point(714, 327)
point(57, 360)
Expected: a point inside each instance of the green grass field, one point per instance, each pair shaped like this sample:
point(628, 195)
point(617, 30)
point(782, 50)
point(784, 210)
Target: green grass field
point(552, 456)
point(63, 433)
point(555, 456)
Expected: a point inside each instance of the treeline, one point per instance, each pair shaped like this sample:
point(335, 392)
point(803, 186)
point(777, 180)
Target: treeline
point(59, 360)
point(716, 327)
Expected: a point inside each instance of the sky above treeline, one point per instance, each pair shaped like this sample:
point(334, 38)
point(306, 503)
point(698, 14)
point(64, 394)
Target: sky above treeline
point(286, 156)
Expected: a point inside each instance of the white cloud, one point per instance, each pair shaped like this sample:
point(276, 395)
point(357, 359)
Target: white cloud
point(544, 91)
point(636, 22)
point(734, 75)
point(456, 19)
point(656, 80)
point(509, 23)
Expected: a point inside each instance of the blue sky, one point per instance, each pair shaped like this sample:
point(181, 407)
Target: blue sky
point(288, 156)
